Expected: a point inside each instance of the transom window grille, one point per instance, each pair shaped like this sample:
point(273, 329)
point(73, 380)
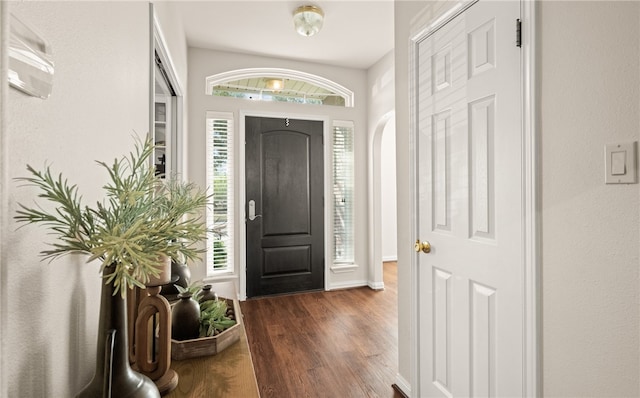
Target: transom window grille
point(281, 85)
point(220, 177)
point(286, 90)
point(343, 187)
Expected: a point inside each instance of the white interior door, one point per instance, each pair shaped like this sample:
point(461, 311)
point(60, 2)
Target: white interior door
point(470, 205)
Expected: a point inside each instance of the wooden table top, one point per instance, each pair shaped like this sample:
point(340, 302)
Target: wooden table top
point(229, 374)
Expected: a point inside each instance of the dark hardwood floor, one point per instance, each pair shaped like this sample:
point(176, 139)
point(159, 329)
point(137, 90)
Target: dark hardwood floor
point(341, 343)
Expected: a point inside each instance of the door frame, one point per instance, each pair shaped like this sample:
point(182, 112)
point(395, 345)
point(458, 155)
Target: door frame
point(4, 192)
point(242, 194)
point(530, 194)
point(158, 43)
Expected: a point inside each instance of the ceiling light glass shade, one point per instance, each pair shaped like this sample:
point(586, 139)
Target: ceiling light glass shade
point(308, 20)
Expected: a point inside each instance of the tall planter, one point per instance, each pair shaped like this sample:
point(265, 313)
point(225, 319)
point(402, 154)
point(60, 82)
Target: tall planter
point(114, 377)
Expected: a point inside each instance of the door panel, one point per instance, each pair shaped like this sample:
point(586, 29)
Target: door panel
point(285, 179)
point(470, 205)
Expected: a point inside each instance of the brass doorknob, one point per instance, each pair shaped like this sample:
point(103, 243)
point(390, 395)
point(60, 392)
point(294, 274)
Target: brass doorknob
point(424, 247)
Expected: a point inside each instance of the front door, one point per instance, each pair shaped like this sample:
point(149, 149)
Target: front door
point(285, 215)
point(470, 205)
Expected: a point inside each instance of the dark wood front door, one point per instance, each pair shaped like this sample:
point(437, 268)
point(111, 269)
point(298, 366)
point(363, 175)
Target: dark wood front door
point(285, 216)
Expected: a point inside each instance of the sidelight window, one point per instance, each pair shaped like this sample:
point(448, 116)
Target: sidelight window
point(343, 186)
point(220, 176)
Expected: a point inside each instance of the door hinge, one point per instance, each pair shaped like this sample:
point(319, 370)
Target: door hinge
point(518, 33)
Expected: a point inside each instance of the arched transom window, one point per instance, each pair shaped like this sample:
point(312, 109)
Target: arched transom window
point(275, 84)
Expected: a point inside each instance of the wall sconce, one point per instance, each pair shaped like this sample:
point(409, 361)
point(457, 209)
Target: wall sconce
point(308, 20)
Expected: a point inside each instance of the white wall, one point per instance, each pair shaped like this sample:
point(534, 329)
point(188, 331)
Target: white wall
point(589, 79)
point(380, 113)
point(589, 96)
point(388, 187)
point(99, 101)
point(203, 63)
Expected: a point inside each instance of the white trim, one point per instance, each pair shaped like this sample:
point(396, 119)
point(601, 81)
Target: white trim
point(343, 268)
point(389, 258)
point(532, 223)
point(374, 199)
point(414, 330)
point(152, 69)
point(347, 285)
point(375, 285)
point(238, 74)
point(458, 8)
point(4, 179)
point(403, 385)
point(531, 229)
point(159, 45)
point(222, 276)
point(343, 123)
point(241, 225)
point(165, 56)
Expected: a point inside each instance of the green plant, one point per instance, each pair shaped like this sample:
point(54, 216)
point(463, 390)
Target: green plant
point(213, 317)
point(195, 288)
point(141, 218)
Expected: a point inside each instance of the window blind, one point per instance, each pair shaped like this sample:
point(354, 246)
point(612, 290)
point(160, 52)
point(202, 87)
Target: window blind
point(220, 178)
point(343, 186)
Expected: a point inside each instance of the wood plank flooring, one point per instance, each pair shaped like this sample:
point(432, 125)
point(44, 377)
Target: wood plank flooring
point(341, 343)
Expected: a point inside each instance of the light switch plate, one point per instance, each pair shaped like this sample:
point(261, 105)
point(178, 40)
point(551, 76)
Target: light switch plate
point(620, 163)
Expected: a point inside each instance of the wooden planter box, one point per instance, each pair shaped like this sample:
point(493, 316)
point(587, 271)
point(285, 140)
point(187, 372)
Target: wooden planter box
point(204, 346)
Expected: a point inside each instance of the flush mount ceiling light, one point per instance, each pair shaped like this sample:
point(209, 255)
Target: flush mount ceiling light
point(308, 20)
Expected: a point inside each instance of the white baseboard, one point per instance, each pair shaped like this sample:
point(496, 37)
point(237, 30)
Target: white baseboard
point(389, 258)
point(403, 385)
point(376, 285)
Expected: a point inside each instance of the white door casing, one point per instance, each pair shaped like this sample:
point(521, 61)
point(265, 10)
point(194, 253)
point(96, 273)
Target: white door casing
point(472, 169)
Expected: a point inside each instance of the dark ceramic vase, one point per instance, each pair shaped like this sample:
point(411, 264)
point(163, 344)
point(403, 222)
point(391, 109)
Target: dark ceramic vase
point(207, 294)
point(112, 359)
point(183, 275)
point(185, 318)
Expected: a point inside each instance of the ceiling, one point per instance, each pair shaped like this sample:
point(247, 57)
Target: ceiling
point(356, 34)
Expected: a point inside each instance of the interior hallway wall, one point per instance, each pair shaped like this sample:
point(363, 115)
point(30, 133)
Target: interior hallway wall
point(388, 186)
point(589, 82)
point(589, 75)
point(100, 100)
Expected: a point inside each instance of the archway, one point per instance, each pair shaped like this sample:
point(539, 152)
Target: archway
point(385, 126)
